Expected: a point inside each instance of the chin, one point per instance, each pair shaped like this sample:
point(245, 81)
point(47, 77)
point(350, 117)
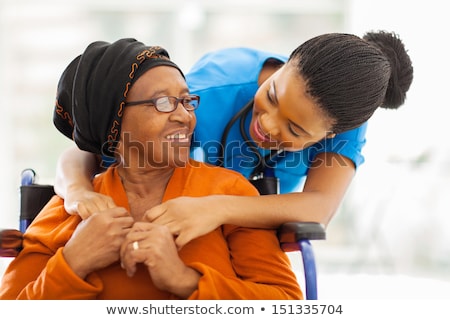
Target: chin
point(270, 145)
point(180, 160)
point(180, 163)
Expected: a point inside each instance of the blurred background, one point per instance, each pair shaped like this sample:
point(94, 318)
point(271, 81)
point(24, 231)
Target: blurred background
point(390, 237)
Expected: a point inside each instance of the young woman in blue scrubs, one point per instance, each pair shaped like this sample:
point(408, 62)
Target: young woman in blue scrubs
point(299, 120)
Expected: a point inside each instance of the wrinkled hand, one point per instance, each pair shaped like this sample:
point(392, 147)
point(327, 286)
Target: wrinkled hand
point(186, 218)
point(154, 246)
point(96, 241)
point(85, 203)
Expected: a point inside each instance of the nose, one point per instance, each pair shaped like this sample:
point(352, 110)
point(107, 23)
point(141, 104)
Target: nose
point(270, 125)
point(180, 114)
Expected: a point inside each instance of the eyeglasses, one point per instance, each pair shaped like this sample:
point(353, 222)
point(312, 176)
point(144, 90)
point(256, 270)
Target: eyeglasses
point(168, 103)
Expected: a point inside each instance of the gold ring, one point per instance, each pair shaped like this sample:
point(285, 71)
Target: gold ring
point(135, 245)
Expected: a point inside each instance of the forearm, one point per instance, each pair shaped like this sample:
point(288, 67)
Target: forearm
point(324, 190)
point(35, 277)
point(270, 211)
point(74, 168)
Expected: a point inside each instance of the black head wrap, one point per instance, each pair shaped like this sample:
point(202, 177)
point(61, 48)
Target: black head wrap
point(93, 88)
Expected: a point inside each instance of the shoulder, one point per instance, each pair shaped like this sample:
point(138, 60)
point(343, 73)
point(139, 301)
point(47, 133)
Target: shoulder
point(237, 55)
point(238, 64)
point(219, 180)
point(53, 225)
point(206, 169)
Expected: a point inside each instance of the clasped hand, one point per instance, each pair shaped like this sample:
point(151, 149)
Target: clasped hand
point(112, 234)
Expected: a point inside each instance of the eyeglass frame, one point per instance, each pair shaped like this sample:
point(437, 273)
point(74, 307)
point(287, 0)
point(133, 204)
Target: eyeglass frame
point(174, 105)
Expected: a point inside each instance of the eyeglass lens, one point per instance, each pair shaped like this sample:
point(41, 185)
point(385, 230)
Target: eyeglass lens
point(169, 104)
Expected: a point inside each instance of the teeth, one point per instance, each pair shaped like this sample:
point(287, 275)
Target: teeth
point(177, 136)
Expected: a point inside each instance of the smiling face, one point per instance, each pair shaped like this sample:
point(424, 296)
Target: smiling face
point(150, 138)
point(285, 116)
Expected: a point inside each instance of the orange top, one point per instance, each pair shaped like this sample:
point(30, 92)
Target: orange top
point(234, 262)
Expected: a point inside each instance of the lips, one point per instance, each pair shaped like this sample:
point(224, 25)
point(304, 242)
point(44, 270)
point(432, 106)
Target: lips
point(259, 133)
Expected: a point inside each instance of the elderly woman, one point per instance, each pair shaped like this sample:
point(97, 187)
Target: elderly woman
point(130, 102)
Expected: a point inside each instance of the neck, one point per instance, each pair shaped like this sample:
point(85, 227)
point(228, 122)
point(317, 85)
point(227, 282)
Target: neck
point(144, 188)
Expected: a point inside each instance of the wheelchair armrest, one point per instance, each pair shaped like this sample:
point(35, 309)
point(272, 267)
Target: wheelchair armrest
point(10, 242)
point(290, 233)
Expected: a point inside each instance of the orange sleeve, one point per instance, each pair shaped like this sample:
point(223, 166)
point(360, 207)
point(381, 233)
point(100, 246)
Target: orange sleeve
point(40, 271)
point(263, 270)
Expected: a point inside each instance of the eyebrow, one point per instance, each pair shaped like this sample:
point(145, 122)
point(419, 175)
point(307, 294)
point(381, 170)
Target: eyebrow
point(275, 100)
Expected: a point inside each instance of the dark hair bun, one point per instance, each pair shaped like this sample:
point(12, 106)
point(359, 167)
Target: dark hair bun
point(401, 66)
